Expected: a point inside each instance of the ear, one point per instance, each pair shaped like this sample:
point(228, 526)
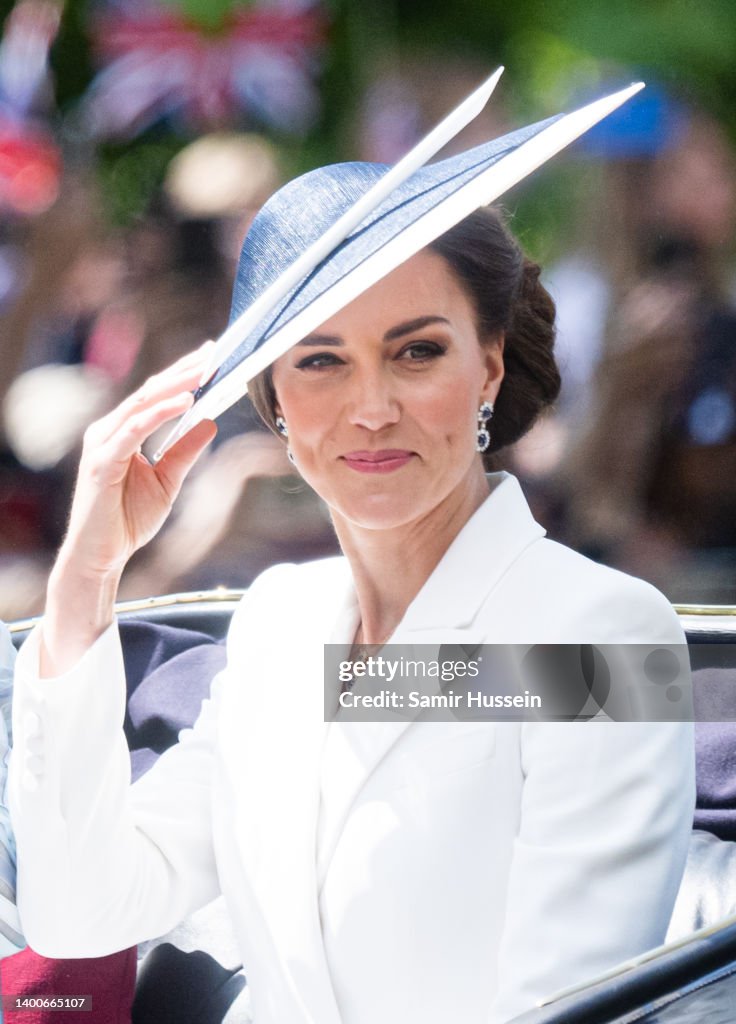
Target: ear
point(492, 351)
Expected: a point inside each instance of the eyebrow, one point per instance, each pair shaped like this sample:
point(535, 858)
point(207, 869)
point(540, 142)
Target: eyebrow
point(407, 327)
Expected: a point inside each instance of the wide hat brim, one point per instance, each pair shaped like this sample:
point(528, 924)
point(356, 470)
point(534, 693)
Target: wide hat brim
point(433, 199)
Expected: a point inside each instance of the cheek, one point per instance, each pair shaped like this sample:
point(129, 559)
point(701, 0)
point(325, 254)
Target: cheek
point(303, 421)
point(450, 412)
point(314, 432)
point(302, 414)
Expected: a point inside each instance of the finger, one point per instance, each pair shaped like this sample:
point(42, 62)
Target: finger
point(181, 376)
point(136, 430)
point(172, 469)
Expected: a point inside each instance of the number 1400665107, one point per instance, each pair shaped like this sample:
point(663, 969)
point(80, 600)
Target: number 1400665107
point(46, 1002)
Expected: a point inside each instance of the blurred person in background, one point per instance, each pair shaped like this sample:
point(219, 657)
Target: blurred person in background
point(635, 464)
point(652, 478)
point(116, 308)
point(35, 481)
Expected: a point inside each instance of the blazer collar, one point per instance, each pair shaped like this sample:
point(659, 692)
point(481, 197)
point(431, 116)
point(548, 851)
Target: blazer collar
point(442, 613)
point(491, 540)
point(444, 609)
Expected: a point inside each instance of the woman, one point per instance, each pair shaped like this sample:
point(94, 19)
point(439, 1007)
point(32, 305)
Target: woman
point(388, 871)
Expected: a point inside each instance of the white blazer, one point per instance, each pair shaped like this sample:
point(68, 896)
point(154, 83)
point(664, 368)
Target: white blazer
point(375, 872)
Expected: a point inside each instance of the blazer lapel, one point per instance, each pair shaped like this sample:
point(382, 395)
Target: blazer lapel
point(443, 612)
point(277, 785)
point(483, 551)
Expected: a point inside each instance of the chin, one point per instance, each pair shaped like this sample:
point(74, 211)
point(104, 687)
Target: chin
point(386, 510)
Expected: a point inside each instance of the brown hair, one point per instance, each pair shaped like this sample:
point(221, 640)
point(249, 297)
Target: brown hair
point(509, 298)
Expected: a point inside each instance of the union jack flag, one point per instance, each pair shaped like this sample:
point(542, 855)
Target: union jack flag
point(157, 64)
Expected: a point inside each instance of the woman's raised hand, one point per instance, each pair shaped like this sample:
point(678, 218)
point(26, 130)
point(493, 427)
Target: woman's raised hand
point(120, 503)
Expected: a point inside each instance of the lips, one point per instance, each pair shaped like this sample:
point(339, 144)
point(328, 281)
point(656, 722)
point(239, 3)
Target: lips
point(385, 461)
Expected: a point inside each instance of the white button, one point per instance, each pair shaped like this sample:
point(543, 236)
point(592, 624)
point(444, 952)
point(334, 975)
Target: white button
point(32, 724)
point(30, 782)
point(34, 744)
point(35, 765)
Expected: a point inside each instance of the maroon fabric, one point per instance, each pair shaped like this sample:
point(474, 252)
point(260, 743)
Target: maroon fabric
point(108, 980)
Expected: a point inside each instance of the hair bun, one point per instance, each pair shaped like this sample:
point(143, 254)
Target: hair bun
point(510, 300)
point(532, 380)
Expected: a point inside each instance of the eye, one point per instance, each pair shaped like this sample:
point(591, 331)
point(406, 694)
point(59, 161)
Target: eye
point(318, 360)
point(422, 351)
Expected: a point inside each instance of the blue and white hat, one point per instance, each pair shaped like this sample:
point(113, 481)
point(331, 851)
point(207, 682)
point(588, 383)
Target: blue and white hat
point(327, 236)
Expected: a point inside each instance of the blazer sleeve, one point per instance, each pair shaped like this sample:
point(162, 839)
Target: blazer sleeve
point(103, 865)
point(606, 815)
point(11, 939)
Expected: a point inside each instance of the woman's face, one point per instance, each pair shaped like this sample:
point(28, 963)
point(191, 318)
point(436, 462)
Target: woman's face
point(381, 402)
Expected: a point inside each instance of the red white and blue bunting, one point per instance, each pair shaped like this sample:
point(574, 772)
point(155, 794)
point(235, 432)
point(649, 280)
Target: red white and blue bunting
point(158, 64)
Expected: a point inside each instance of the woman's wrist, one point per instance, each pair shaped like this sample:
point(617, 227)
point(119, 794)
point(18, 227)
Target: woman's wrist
point(80, 606)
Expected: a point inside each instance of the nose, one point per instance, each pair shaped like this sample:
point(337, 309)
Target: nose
point(372, 402)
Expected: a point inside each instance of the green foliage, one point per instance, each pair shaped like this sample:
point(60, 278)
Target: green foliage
point(210, 15)
point(131, 175)
point(545, 43)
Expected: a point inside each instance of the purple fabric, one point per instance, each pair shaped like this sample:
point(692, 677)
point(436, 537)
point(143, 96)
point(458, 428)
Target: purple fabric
point(715, 751)
point(169, 671)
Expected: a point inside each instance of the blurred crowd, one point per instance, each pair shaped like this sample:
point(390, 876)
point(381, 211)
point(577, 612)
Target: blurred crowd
point(636, 466)
point(91, 321)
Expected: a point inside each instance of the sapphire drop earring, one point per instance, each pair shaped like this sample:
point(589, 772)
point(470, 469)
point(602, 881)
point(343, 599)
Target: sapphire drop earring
point(284, 431)
point(483, 437)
